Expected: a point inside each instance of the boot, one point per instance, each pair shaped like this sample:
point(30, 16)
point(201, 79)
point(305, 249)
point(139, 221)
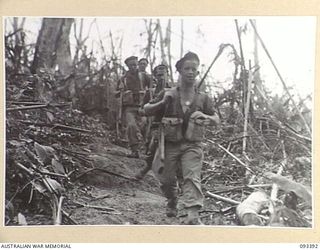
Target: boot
point(193, 216)
point(171, 210)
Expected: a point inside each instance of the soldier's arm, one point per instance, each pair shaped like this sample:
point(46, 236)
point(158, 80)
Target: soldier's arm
point(210, 111)
point(156, 104)
point(146, 98)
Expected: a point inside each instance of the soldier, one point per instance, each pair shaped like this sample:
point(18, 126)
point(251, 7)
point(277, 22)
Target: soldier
point(144, 76)
point(185, 112)
point(160, 74)
point(143, 63)
point(131, 85)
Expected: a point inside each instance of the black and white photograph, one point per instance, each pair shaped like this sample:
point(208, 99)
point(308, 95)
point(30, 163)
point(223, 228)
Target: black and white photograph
point(200, 121)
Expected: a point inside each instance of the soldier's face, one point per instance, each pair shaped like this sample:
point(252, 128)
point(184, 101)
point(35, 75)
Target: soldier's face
point(132, 65)
point(161, 75)
point(189, 71)
point(143, 65)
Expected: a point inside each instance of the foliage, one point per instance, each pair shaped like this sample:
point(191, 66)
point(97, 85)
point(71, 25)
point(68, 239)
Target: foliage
point(45, 145)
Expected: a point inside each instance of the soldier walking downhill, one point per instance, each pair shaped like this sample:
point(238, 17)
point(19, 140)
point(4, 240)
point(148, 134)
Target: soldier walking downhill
point(160, 74)
point(185, 111)
point(132, 86)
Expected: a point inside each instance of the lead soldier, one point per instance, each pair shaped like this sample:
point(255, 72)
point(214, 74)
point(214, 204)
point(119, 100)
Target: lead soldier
point(185, 111)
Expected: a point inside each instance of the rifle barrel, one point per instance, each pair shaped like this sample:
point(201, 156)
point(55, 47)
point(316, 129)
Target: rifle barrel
point(222, 46)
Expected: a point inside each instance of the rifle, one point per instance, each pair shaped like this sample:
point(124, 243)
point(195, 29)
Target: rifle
point(149, 119)
point(119, 117)
point(158, 159)
point(161, 143)
point(221, 48)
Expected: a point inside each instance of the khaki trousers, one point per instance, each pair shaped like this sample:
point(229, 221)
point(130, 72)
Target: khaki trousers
point(133, 122)
point(188, 156)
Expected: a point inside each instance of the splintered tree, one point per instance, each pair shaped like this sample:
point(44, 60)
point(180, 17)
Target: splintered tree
point(53, 47)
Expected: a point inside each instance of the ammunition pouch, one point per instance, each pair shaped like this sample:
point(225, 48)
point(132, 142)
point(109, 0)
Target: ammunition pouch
point(129, 98)
point(172, 129)
point(196, 129)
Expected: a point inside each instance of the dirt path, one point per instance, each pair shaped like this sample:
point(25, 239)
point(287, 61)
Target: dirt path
point(132, 202)
point(103, 199)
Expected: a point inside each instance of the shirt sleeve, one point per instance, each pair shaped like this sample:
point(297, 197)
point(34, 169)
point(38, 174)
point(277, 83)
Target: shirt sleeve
point(208, 106)
point(158, 97)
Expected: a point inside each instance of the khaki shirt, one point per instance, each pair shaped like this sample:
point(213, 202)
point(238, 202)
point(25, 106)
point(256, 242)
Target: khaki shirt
point(134, 82)
point(174, 109)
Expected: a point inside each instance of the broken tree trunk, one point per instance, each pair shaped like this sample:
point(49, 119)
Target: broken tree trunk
point(221, 198)
point(168, 40)
point(256, 77)
point(291, 186)
point(53, 46)
point(163, 55)
point(246, 113)
point(248, 210)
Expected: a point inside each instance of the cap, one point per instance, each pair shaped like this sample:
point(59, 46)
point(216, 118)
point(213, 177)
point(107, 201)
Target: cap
point(188, 56)
point(144, 59)
point(160, 67)
point(130, 58)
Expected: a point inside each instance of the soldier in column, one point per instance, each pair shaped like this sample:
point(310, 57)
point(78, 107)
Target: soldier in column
point(132, 87)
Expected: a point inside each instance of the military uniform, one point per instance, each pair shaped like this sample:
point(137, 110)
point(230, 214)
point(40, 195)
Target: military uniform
point(133, 84)
point(181, 151)
point(152, 136)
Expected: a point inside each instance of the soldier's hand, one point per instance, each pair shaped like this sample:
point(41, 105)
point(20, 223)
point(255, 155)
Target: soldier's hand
point(198, 115)
point(141, 112)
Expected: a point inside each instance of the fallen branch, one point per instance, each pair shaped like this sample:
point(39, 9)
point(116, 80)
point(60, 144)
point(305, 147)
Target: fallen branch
point(291, 130)
point(59, 212)
point(101, 197)
point(38, 104)
point(28, 107)
point(233, 156)
point(291, 186)
point(279, 123)
point(48, 173)
point(68, 217)
point(221, 198)
point(30, 172)
point(59, 126)
point(74, 154)
point(39, 171)
point(24, 103)
point(106, 171)
point(228, 189)
point(108, 209)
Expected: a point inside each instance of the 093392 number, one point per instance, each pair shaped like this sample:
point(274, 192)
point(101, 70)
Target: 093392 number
point(309, 246)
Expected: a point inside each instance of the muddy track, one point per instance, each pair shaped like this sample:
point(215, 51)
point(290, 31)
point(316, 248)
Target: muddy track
point(100, 198)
